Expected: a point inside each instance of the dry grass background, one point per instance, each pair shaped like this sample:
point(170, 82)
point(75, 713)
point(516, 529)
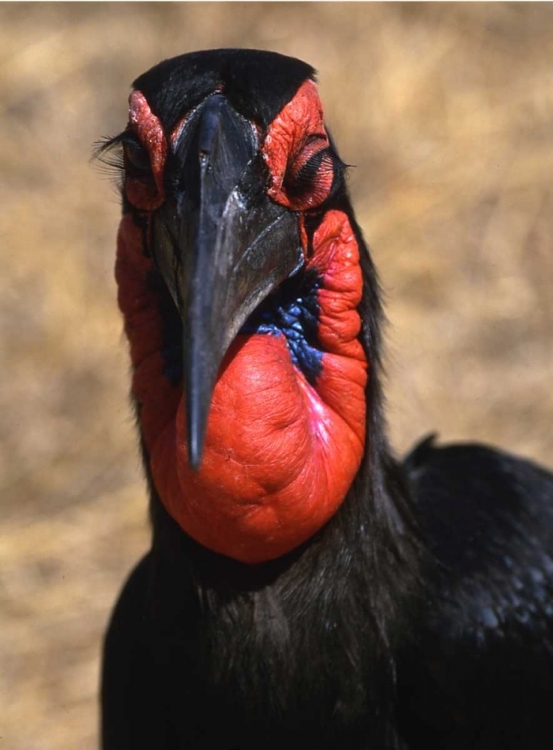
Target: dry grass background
point(447, 113)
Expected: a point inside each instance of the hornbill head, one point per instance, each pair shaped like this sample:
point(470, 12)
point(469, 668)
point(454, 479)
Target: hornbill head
point(240, 280)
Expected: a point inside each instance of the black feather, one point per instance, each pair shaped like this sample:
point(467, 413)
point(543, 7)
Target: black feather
point(479, 672)
point(257, 83)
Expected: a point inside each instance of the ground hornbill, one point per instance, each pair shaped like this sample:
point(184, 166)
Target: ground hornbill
point(304, 589)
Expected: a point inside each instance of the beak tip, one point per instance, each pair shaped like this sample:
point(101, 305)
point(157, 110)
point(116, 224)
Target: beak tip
point(196, 432)
point(194, 460)
point(195, 451)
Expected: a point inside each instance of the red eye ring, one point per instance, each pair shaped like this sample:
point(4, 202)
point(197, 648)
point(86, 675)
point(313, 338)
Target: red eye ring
point(312, 146)
point(308, 180)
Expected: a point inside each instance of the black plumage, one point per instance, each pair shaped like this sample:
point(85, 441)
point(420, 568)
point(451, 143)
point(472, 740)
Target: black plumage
point(420, 616)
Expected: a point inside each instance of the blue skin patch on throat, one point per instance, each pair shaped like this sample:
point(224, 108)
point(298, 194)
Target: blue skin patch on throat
point(293, 311)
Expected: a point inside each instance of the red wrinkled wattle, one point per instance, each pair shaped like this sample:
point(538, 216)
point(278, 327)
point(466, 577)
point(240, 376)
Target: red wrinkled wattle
point(270, 477)
point(344, 377)
point(280, 454)
point(296, 134)
point(158, 399)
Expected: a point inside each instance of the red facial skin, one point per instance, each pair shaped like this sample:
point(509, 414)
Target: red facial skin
point(296, 134)
point(280, 454)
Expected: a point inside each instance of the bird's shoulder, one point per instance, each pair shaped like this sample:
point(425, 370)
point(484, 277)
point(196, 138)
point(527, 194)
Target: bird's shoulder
point(486, 520)
point(480, 495)
point(486, 517)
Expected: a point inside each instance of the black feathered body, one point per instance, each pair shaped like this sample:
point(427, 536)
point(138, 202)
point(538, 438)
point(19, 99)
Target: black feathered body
point(481, 675)
point(351, 641)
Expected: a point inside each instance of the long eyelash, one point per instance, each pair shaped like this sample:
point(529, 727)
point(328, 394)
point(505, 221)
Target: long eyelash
point(310, 172)
point(109, 152)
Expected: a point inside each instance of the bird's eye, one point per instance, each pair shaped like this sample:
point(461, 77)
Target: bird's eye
point(137, 159)
point(132, 163)
point(310, 174)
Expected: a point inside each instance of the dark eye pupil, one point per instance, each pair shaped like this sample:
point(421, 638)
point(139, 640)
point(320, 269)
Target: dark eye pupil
point(137, 156)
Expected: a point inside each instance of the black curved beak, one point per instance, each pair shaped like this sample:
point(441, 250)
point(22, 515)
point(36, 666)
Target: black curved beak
point(221, 246)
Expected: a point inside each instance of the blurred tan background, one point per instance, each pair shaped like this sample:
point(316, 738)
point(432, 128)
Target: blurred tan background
point(447, 113)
